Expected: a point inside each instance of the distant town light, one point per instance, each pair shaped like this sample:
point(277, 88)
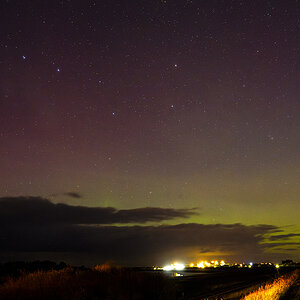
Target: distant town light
point(168, 268)
point(176, 266)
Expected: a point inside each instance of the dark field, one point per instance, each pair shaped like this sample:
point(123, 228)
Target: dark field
point(227, 283)
point(46, 280)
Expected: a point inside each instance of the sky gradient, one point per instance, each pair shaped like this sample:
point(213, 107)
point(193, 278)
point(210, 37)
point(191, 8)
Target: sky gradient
point(189, 110)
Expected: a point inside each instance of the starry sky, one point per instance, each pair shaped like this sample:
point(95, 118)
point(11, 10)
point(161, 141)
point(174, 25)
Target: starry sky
point(166, 118)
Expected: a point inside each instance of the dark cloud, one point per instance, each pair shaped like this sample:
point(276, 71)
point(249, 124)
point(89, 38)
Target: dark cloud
point(287, 249)
point(275, 245)
point(73, 195)
point(35, 225)
point(42, 211)
point(136, 244)
point(69, 194)
point(142, 245)
point(283, 236)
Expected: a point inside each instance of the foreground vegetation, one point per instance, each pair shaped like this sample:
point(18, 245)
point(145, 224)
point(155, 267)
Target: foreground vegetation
point(274, 290)
point(102, 282)
point(47, 280)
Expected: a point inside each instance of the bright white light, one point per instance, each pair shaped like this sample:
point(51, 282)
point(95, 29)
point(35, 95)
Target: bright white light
point(179, 267)
point(175, 266)
point(168, 268)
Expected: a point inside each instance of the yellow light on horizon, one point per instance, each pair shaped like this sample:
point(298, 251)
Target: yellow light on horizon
point(207, 264)
point(201, 265)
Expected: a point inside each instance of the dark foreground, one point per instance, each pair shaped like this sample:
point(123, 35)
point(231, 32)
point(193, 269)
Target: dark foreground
point(227, 283)
point(106, 282)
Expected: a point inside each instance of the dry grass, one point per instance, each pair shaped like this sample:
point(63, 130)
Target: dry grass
point(274, 290)
point(103, 282)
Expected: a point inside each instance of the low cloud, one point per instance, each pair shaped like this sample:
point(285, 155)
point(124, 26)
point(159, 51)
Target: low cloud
point(136, 244)
point(39, 210)
point(73, 195)
point(36, 225)
point(283, 236)
point(69, 194)
point(287, 249)
point(275, 245)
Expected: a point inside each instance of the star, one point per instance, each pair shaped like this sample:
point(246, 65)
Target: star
point(24, 57)
point(58, 69)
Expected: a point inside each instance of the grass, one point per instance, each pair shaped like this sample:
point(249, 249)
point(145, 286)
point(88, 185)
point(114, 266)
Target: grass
point(117, 283)
point(102, 282)
point(274, 290)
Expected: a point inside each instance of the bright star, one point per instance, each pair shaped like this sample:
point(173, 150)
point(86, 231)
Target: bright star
point(58, 69)
point(24, 57)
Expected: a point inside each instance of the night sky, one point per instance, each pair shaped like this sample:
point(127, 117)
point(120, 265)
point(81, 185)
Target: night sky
point(147, 131)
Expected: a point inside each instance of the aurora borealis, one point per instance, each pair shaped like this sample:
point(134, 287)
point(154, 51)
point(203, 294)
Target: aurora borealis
point(188, 110)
